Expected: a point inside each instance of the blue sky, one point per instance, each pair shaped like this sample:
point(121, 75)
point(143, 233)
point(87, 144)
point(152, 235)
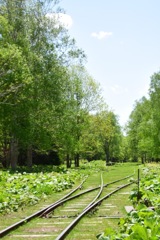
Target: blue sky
point(121, 39)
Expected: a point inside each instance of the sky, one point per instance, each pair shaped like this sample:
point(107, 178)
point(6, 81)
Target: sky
point(121, 39)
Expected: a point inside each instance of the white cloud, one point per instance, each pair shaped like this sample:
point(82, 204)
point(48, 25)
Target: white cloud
point(101, 34)
point(118, 89)
point(62, 19)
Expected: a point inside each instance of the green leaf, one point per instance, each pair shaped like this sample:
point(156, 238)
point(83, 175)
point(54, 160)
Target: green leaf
point(139, 232)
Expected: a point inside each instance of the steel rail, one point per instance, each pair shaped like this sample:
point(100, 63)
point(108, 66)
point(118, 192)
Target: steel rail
point(66, 231)
point(63, 198)
point(52, 206)
point(98, 195)
point(27, 219)
point(48, 210)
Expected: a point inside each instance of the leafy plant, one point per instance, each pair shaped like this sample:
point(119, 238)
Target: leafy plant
point(144, 222)
point(23, 189)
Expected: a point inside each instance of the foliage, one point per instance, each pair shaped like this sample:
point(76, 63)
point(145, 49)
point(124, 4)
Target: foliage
point(82, 97)
point(22, 188)
point(143, 128)
point(95, 165)
point(28, 186)
point(46, 93)
point(155, 115)
point(102, 137)
point(144, 222)
point(140, 130)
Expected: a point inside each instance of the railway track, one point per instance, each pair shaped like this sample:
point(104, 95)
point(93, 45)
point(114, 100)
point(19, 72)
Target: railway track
point(58, 219)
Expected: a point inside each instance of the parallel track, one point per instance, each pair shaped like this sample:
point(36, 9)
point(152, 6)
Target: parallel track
point(68, 229)
point(92, 204)
point(37, 214)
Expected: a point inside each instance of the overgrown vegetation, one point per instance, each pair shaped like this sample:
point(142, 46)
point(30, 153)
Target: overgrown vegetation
point(28, 186)
point(143, 223)
point(21, 189)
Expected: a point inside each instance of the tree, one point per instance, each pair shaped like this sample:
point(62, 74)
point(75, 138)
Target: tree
point(124, 149)
point(43, 50)
point(110, 134)
point(103, 136)
point(15, 83)
point(82, 97)
point(140, 131)
point(154, 92)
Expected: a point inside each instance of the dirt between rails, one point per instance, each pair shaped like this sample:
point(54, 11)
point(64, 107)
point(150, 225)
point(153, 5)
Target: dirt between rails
point(44, 229)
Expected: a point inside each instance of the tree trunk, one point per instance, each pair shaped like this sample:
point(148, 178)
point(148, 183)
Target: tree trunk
point(6, 154)
point(68, 161)
point(107, 158)
point(29, 157)
point(77, 160)
point(107, 153)
point(14, 153)
point(142, 159)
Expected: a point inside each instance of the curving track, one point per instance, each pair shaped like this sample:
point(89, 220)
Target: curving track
point(62, 216)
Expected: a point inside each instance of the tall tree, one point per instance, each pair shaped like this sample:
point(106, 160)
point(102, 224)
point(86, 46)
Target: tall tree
point(155, 114)
point(83, 96)
point(103, 136)
point(140, 131)
point(45, 50)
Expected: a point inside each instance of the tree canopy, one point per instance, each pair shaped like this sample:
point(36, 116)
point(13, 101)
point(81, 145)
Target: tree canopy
point(143, 129)
point(47, 97)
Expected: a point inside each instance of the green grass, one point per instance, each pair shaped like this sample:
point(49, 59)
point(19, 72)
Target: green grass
point(96, 224)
